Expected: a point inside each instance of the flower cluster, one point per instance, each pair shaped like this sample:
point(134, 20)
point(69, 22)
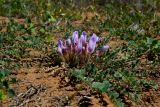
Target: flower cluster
point(77, 50)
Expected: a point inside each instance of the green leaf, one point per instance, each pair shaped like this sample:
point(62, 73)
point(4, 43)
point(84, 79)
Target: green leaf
point(103, 87)
point(2, 95)
point(99, 86)
point(157, 46)
point(11, 92)
point(52, 19)
point(149, 41)
point(113, 94)
point(49, 38)
point(21, 26)
point(79, 73)
point(4, 73)
point(119, 103)
point(131, 42)
point(135, 96)
point(89, 80)
point(42, 30)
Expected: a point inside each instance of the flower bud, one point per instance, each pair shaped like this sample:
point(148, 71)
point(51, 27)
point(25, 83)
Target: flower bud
point(60, 46)
point(75, 37)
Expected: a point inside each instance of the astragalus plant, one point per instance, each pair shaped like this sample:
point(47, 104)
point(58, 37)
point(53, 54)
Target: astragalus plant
point(79, 49)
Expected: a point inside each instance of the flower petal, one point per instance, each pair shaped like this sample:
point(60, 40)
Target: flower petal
point(83, 38)
point(79, 46)
point(91, 45)
point(60, 46)
point(94, 37)
point(75, 37)
point(68, 42)
point(105, 48)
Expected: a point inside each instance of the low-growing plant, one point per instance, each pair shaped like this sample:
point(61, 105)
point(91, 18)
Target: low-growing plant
point(79, 50)
point(4, 84)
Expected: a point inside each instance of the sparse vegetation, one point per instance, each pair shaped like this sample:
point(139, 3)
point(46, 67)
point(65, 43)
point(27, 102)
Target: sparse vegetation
point(29, 34)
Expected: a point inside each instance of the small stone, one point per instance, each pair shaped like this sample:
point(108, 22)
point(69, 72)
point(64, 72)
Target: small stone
point(66, 79)
point(69, 88)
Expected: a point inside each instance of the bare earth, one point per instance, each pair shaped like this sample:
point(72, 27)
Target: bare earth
point(38, 88)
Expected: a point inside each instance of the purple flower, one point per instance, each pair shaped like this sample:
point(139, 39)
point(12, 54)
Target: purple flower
point(105, 48)
point(75, 37)
point(91, 46)
point(92, 43)
point(68, 42)
point(60, 46)
point(79, 46)
point(94, 37)
point(69, 45)
point(83, 38)
point(102, 50)
point(77, 50)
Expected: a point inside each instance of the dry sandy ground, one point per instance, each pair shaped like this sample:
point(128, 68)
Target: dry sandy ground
point(40, 88)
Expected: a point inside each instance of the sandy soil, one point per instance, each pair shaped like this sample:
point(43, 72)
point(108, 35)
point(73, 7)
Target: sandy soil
point(39, 88)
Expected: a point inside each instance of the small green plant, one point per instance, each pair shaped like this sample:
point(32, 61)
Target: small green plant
point(4, 85)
